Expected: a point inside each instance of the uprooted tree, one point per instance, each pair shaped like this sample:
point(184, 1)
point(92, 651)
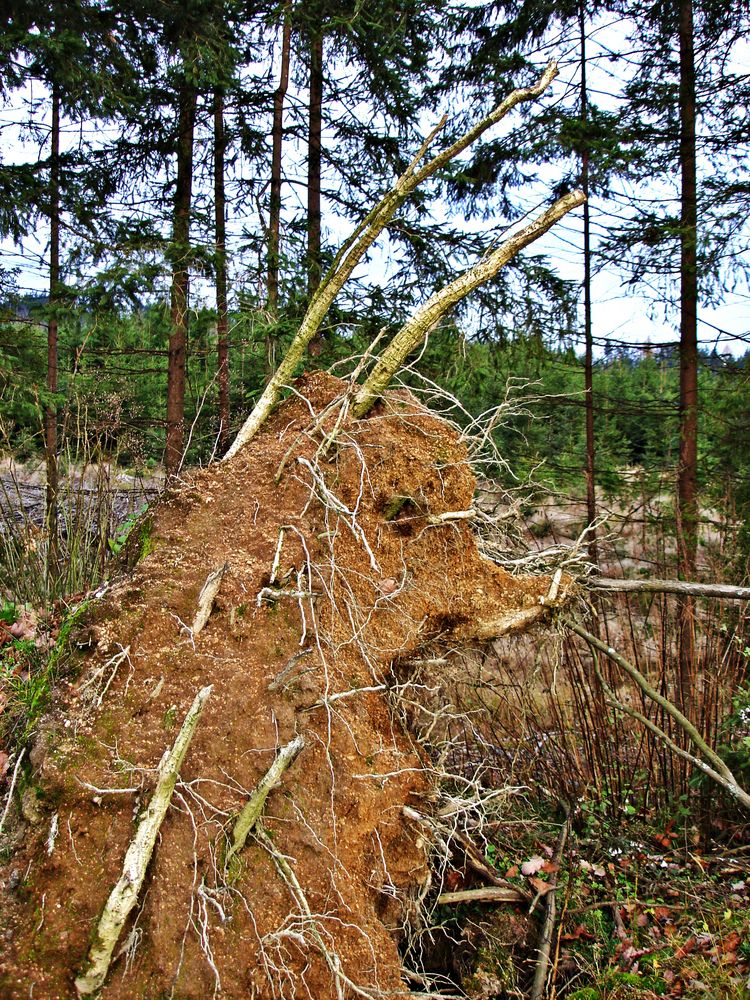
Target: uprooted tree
point(283, 626)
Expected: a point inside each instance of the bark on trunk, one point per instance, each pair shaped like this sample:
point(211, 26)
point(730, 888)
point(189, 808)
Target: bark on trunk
point(180, 280)
point(589, 359)
point(222, 315)
point(50, 416)
point(687, 478)
point(313, 176)
point(274, 220)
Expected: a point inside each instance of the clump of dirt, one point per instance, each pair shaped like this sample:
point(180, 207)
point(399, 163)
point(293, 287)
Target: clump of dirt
point(366, 576)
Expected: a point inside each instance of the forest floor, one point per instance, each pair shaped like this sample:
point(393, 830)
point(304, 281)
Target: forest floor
point(642, 911)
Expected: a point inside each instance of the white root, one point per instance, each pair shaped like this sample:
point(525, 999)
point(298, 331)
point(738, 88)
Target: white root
point(124, 896)
point(12, 789)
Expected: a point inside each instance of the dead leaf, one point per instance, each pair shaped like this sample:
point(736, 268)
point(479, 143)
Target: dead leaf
point(4, 759)
point(532, 866)
point(512, 871)
point(540, 885)
point(686, 948)
point(24, 627)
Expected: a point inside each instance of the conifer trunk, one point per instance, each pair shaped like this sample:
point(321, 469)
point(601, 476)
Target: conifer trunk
point(589, 359)
point(274, 220)
point(50, 416)
point(314, 135)
point(177, 363)
point(687, 474)
point(222, 315)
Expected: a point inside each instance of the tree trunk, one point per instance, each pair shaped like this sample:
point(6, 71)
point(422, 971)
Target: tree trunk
point(180, 280)
point(589, 359)
point(687, 473)
point(50, 416)
point(222, 315)
point(274, 222)
point(314, 266)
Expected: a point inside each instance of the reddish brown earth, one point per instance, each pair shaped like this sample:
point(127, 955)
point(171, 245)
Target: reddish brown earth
point(337, 814)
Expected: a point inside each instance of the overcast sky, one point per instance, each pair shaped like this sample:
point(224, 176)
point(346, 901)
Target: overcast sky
point(619, 313)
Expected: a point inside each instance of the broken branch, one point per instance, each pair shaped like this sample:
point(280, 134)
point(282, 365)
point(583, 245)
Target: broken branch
point(206, 598)
point(254, 805)
point(487, 894)
point(124, 896)
point(721, 590)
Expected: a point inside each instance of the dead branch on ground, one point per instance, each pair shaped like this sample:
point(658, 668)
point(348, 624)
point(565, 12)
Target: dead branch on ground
point(545, 939)
point(124, 896)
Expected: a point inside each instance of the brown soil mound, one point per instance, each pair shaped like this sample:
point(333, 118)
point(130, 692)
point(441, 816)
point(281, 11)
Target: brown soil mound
point(386, 582)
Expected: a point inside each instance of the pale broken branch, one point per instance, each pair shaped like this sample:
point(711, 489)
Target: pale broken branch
point(207, 597)
point(124, 896)
point(360, 242)
point(426, 318)
point(254, 805)
point(487, 894)
point(715, 769)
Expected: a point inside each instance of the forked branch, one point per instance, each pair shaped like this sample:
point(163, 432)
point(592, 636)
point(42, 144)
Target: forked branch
point(360, 242)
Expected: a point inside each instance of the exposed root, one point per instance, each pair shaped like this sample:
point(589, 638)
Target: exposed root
point(254, 806)
point(207, 597)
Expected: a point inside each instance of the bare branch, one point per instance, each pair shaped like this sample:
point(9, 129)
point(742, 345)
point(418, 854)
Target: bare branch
point(359, 243)
point(720, 590)
point(426, 318)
